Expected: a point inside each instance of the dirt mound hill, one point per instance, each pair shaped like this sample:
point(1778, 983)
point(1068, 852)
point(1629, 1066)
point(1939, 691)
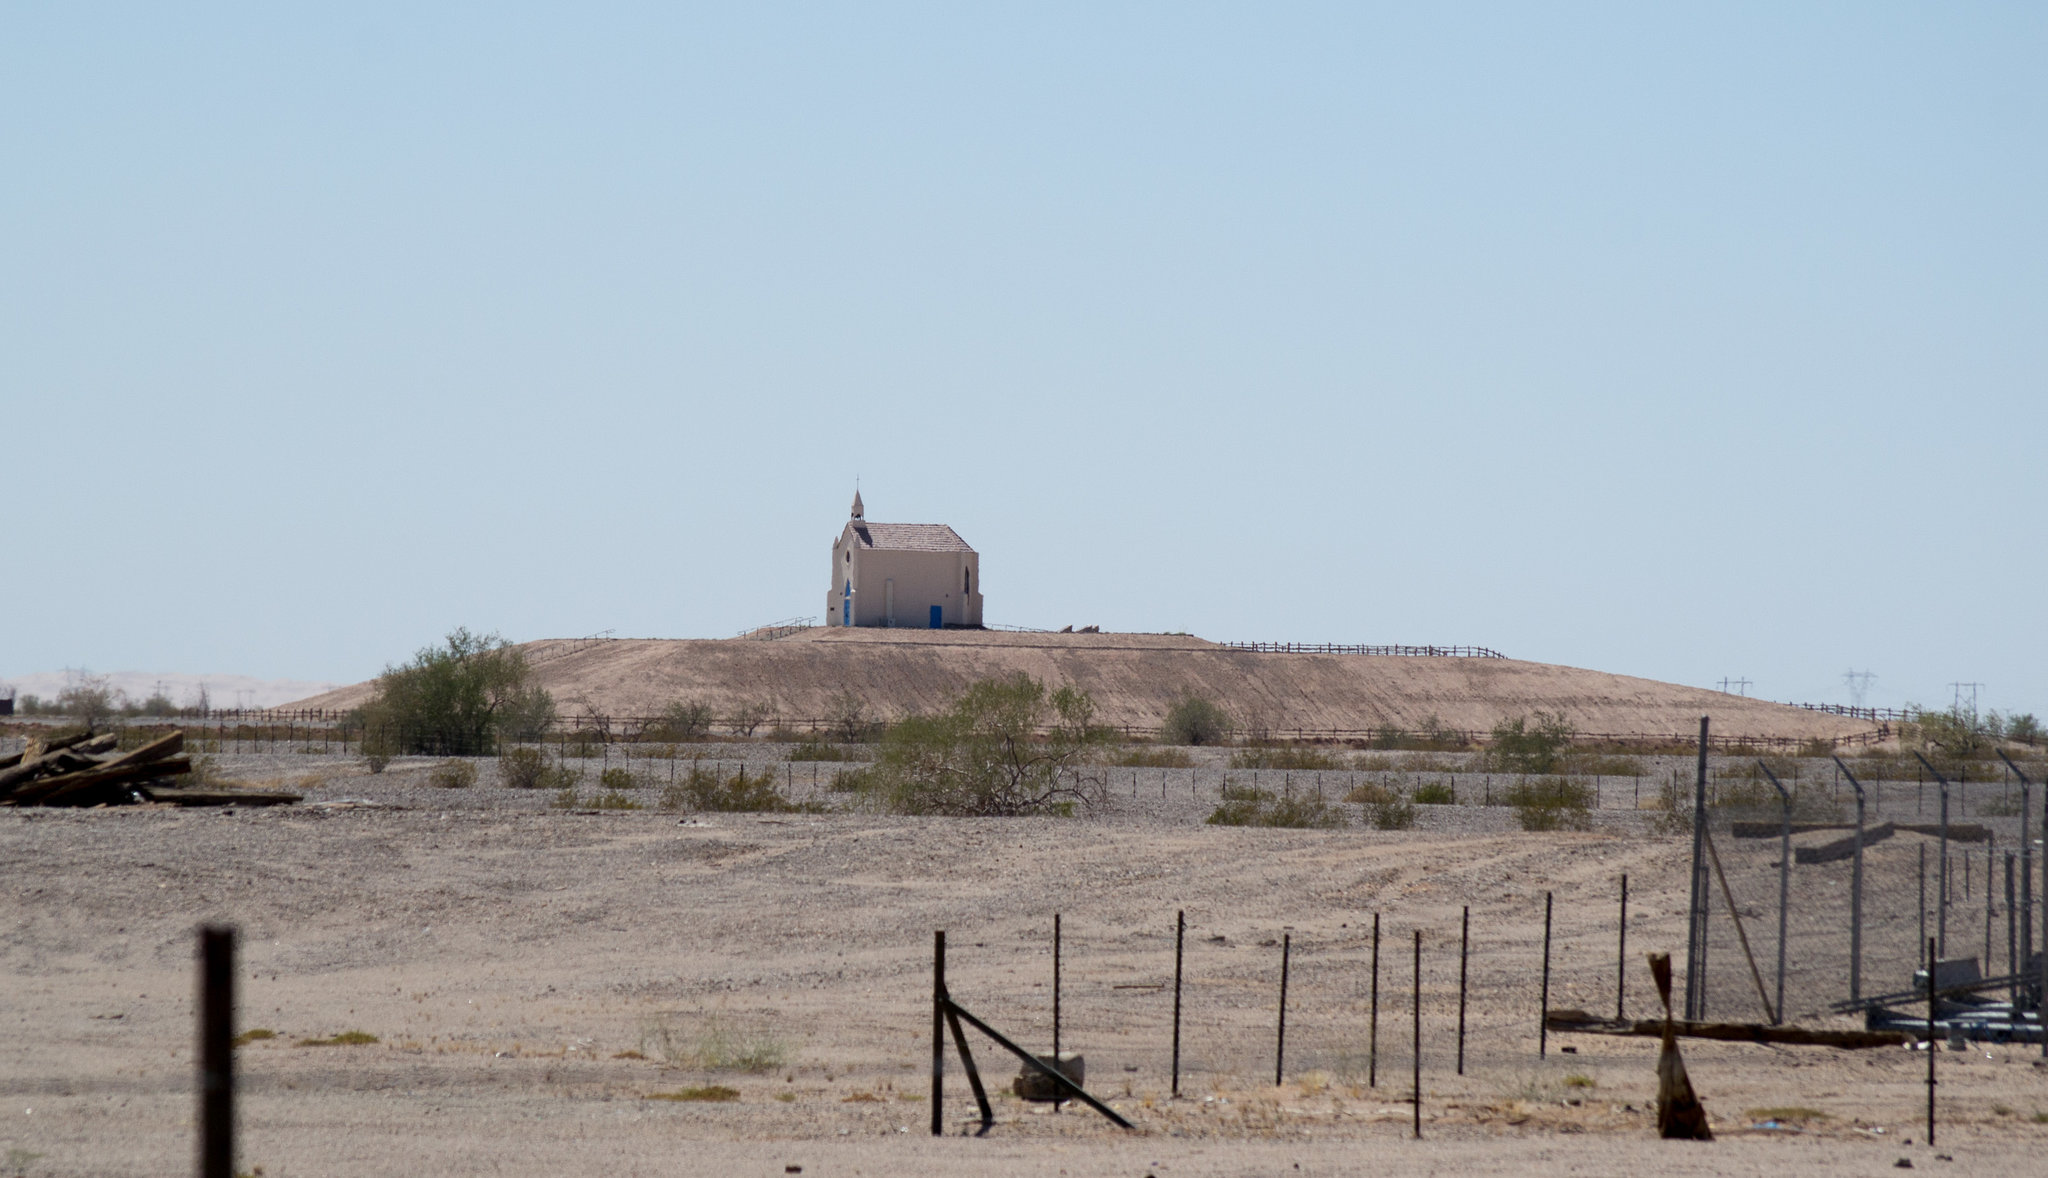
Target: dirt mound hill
point(1133, 678)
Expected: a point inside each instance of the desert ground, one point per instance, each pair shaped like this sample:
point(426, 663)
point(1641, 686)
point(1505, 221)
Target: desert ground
point(536, 979)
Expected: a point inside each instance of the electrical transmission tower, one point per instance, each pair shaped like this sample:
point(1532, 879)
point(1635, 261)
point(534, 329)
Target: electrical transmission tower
point(1858, 683)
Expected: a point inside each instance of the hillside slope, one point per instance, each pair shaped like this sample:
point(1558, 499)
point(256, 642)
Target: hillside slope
point(1133, 677)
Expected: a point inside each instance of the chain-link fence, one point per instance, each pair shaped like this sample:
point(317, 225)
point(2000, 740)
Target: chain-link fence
point(1796, 939)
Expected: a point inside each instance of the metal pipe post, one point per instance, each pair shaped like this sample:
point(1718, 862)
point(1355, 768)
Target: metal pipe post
point(1280, 1043)
point(938, 1030)
point(1372, 1043)
point(1418, 1034)
point(1784, 883)
point(1543, 1015)
point(1696, 917)
point(1055, 986)
point(1464, 951)
point(216, 1052)
point(1621, 953)
point(1855, 892)
point(1180, 936)
point(1933, 1048)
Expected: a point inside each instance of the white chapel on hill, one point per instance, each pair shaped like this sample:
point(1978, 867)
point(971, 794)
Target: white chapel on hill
point(917, 575)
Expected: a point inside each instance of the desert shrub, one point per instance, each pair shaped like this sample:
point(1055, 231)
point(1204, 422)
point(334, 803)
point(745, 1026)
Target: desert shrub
point(847, 718)
point(1753, 798)
point(584, 743)
point(457, 699)
point(618, 778)
point(717, 1046)
point(1436, 793)
point(1245, 805)
point(813, 749)
point(983, 756)
point(1590, 764)
point(452, 775)
point(1392, 814)
point(2023, 729)
point(750, 715)
point(521, 768)
point(740, 792)
point(1371, 793)
point(680, 720)
point(1195, 719)
point(1530, 744)
point(378, 748)
point(90, 701)
point(1153, 758)
point(1376, 762)
point(1551, 803)
point(1282, 757)
point(1432, 735)
point(612, 800)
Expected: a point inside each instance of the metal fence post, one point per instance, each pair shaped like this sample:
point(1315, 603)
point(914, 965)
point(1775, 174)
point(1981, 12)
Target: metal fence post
point(1784, 882)
point(1280, 1044)
point(1621, 952)
point(216, 1052)
point(938, 1031)
point(1180, 936)
point(1464, 951)
point(1543, 1014)
point(1855, 892)
point(1696, 917)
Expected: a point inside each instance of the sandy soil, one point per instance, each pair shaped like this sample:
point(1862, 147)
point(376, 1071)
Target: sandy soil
point(513, 961)
point(1133, 678)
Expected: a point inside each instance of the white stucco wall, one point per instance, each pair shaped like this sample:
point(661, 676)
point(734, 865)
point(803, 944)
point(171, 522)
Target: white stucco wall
point(949, 580)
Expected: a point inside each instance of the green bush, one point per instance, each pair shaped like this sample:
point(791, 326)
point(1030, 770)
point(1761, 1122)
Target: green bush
point(813, 749)
point(616, 779)
point(452, 775)
point(1391, 815)
point(524, 768)
point(1551, 803)
point(1530, 744)
point(1282, 757)
point(1195, 719)
point(1371, 793)
point(740, 792)
point(613, 800)
point(681, 720)
point(1004, 747)
point(1436, 793)
point(456, 700)
point(1245, 805)
point(1141, 757)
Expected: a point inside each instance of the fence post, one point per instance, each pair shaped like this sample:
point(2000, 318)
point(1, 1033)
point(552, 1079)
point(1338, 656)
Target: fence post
point(1696, 917)
point(1932, 1049)
point(1464, 949)
point(938, 1030)
point(1055, 989)
point(1621, 953)
point(1417, 1060)
point(1180, 935)
point(1543, 1015)
point(1372, 1048)
point(1280, 1044)
point(216, 1052)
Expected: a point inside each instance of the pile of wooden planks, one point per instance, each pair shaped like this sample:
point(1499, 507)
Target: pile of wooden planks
point(85, 770)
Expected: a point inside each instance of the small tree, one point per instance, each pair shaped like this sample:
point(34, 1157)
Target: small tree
point(90, 700)
point(984, 756)
point(682, 719)
point(1195, 719)
point(456, 700)
point(1529, 744)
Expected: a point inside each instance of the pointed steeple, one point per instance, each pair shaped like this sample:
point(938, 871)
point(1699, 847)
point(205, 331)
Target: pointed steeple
point(857, 509)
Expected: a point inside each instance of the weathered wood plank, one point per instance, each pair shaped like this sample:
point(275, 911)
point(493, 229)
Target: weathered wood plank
point(1580, 1022)
point(52, 791)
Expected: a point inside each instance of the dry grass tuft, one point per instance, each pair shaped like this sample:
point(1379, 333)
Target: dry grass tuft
point(708, 1092)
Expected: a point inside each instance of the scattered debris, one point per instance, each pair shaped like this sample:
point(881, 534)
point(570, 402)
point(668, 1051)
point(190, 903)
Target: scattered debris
point(72, 771)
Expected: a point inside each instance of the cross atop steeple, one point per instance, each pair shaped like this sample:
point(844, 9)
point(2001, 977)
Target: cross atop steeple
point(857, 509)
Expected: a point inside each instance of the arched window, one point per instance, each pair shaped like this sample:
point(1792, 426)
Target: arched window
point(966, 579)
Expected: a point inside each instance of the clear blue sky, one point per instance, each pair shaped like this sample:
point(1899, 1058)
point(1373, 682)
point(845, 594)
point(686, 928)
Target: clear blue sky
point(1686, 342)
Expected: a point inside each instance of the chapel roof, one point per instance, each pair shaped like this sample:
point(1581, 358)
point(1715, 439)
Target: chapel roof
point(909, 537)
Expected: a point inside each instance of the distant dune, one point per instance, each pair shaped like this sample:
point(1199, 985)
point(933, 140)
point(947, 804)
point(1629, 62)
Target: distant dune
point(1133, 678)
point(223, 691)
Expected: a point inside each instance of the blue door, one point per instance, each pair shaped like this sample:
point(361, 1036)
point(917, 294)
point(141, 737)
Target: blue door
point(938, 618)
point(846, 606)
